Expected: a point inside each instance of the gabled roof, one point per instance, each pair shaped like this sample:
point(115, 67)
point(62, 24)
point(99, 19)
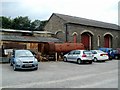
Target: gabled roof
point(88, 22)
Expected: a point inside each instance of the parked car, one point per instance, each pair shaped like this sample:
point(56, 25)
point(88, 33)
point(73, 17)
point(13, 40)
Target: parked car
point(79, 56)
point(109, 51)
point(99, 55)
point(23, 59)
point(116, 53)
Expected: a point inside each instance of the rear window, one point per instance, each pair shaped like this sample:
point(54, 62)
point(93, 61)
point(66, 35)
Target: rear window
point(99, 51)
point(87, 52)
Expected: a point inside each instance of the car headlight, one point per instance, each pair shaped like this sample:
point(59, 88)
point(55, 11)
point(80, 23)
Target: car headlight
point(35, 60)
point(18, 62)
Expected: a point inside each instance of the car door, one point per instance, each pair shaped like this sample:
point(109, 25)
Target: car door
point(94, 54)
point(75, 55)
point(70, 56)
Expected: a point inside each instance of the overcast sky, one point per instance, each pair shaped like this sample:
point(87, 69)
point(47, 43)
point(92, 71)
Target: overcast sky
point(101, 10)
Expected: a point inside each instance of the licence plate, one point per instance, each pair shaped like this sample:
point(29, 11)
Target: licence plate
point(28, 65)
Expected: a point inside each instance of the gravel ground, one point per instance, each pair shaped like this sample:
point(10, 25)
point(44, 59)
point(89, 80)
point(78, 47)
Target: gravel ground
point(62, 75)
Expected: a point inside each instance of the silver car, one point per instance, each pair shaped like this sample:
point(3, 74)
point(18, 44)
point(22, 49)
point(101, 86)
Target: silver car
point(23, 59)
point(79, 56)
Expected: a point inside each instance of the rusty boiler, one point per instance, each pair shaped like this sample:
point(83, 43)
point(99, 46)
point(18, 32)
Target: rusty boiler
point(64, 47)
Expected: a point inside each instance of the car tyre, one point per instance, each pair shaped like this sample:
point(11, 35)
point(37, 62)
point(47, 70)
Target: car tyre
point(116, 57)
point(95, 59)
point(65, 59)
point(79, 61)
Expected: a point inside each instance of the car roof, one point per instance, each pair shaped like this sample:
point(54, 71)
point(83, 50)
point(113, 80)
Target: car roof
point(96, 50)
point(21, 50)
point(80, 50)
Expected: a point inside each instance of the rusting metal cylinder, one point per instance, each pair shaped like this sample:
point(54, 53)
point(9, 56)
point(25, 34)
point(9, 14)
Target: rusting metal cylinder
point(64, 47)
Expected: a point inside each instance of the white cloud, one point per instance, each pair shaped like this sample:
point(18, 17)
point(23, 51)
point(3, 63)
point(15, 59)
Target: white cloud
point(102, 10)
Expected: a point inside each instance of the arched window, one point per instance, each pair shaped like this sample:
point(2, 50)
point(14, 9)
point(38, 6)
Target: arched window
point(98, 41)
point(75, 37)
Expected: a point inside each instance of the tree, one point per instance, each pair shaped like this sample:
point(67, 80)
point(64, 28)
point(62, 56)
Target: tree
point(5, 22)
point(21, 23)
point(35, 25)
point(43, 23)
point(38, 25)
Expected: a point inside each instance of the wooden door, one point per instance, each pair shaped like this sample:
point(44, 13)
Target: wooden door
point(107, 41)
point(85, 39)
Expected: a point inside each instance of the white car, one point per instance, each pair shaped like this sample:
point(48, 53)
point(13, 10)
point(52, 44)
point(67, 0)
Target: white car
point(79, 56)
point(99, 55)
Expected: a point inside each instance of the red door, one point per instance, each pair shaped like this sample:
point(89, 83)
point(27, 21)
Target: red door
point(107, 41)
point(85, 39)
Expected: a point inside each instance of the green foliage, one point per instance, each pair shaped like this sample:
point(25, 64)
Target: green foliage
point(35, 25)
point(22, 23)
point(5, 22)
point(38, 25)
point(43, 23)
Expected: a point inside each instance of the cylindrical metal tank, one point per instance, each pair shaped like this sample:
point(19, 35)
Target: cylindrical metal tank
point(64, 47)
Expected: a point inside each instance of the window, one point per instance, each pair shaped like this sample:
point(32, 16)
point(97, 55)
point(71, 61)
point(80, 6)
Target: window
point(94, 52)
point(98, 41)
point(77, 52)
point(75, 38)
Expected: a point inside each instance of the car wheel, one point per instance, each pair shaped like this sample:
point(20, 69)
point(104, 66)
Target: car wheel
point(90, 62)
point(79, 61)
point(116, 57)
point(95, 59)
point(14, 67)
point(65, 59)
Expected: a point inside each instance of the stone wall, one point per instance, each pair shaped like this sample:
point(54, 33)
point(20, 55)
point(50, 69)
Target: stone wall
point(56, 25)
point(79, 29)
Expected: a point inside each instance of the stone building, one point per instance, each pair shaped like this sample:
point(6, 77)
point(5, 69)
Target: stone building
point(93, 34)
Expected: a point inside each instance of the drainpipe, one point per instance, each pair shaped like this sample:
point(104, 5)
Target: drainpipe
point(66, 32)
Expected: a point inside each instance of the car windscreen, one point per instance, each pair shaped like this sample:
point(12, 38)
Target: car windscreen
point(23, 53)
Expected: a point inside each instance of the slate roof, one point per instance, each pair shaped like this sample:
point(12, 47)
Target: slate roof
point(88, 22)
point(28, 38)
